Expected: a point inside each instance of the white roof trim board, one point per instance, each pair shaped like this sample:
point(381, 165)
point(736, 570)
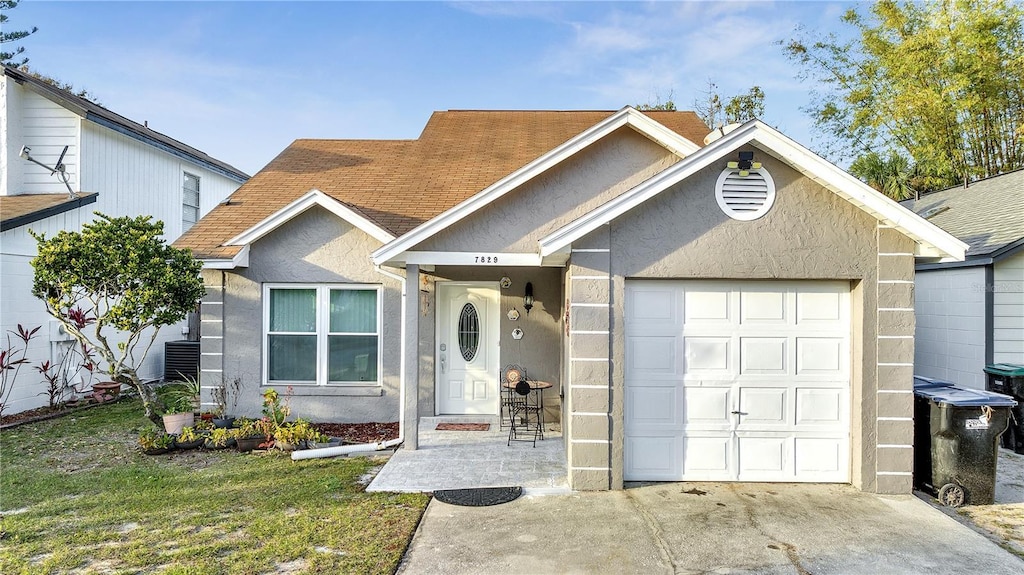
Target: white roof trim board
point(239, 260)
point(626, 116)
point(932, 240)
point(312, 198)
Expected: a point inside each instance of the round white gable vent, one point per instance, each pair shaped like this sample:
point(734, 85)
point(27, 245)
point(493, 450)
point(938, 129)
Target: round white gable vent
point(745, 197)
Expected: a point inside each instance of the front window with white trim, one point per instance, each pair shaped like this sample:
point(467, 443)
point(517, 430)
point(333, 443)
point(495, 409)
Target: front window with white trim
point(321, 334)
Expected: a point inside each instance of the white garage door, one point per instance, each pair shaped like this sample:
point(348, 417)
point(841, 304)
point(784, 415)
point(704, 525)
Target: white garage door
point(737, 381)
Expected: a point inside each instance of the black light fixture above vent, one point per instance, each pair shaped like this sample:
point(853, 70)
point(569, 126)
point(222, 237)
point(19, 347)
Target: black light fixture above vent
point(745, 164)
point(528, 298)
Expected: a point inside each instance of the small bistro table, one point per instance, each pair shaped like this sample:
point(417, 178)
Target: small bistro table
point(536, 389)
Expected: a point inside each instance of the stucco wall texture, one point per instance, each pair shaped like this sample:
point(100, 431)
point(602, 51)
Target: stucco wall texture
point(314, 247)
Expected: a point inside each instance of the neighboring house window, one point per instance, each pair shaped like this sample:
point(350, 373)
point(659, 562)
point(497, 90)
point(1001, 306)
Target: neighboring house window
point(323, 334)
point(189, 201)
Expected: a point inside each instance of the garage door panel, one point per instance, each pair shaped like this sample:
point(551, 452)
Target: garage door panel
point(706, 458)
point(654, 305)
point(764, 356)
point(821, 407)
point(652, 355)
point(762, 457)
point(764, 407)
point(817, 305)
point(710, 306)
point(653, 457)
point(821, 356)
point(706, 407)
point(763, 307)
point(821, 459)
point(707, 354)
point(653, 407)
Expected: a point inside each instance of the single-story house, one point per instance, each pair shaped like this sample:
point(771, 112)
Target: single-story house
point(971, 313)
point(737, 311)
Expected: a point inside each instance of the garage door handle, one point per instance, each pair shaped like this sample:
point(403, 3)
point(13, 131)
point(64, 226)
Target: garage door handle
point(739, 413)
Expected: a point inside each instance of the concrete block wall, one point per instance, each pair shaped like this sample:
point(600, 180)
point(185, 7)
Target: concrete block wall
point(588, 393)
point(950, 332)
point(894, 409)
point(211, 342)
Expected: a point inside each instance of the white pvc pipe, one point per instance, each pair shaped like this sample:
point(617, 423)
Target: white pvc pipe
point(343, 450)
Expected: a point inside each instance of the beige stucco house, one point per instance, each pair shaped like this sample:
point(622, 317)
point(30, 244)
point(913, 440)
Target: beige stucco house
point(735, 311)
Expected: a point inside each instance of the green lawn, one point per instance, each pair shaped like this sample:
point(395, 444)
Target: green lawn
point(76, 495)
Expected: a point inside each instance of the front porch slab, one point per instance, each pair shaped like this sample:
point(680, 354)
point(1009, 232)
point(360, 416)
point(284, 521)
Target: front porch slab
point(467, 459)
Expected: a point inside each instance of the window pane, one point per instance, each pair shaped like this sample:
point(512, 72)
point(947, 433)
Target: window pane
point(189, 214)
point(354, 311)
point(353, 358)
point(293, 310)
point(191, 183)
point(191, 198)
point(292, 358)
point(469, 332)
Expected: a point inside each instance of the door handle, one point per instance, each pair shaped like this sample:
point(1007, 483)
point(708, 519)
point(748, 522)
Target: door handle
point(739, 413)
point(442, 363)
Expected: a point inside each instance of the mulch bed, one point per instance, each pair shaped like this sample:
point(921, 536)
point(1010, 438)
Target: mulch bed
point(463, 427)
point(360, 432)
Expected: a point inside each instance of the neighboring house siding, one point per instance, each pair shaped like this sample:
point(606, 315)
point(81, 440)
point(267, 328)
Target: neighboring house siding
point(1008, 310)
point(950, 334)
point(133, 178)
point(315, 247)
point(46, 128)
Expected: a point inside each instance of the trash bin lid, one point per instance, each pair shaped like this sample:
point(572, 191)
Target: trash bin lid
point(1005, 369)
point(960, 397)
point(921, 382)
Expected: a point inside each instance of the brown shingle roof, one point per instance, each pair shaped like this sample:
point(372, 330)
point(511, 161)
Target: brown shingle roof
point(399, 184)
point(23, 209)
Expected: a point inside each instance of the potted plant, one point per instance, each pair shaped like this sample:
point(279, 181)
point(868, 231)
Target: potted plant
point(292, 436)
point(252, 434)
point(220, 438)
point(104, 391)
point(152, 442)
point(178, 415)
point(189, 438)
point(222, 417)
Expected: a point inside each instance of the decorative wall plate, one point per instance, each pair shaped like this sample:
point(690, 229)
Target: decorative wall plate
point(513, 314)
point(517, 333)
point(506, 282)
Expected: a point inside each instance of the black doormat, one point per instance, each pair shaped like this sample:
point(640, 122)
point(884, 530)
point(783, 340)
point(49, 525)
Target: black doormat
point(479, 497)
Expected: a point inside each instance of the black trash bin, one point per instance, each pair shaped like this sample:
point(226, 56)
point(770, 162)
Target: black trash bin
point(1008, 379)
point(956, 441)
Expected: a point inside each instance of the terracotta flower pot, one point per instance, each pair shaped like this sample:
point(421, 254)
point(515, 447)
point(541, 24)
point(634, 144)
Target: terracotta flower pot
point(175, 422)
point(106, 391)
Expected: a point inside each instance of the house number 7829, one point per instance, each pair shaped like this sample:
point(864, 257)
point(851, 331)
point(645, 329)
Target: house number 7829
point(486, 259)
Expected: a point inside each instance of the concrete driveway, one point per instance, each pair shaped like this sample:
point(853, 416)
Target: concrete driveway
point(687, 528)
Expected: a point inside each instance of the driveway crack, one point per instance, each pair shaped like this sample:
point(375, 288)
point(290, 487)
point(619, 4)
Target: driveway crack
point(788, 548)
point(657, 535)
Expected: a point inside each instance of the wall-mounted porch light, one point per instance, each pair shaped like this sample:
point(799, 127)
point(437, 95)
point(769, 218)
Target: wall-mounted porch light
point(528, 298)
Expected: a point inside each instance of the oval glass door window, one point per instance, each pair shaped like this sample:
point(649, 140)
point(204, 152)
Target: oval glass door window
point(469, 332)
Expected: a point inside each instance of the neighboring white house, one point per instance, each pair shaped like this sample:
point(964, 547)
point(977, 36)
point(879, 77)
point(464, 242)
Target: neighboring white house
point(112, 165)
point(971, 313)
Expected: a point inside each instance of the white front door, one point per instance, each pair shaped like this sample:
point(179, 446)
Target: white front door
point(737, 381)
point(467, 348)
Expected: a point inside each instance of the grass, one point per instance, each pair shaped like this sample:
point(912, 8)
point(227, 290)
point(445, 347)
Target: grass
point(77, 496)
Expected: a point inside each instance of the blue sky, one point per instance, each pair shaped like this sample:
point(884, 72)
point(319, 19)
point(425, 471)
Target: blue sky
point(241, 80)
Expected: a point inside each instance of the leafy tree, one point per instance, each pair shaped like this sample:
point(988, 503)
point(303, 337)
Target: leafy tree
point(892, 174)
point(8, 58)
point(117, 278)
point(940, 83)
point(735, 110)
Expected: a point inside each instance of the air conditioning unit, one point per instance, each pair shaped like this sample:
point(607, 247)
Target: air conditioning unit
point(181, 359)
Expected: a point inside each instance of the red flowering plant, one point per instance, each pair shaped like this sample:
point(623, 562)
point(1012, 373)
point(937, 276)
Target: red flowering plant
point(12, 357)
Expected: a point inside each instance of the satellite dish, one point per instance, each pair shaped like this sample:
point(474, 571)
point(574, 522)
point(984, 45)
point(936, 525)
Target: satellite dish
point(58, 168)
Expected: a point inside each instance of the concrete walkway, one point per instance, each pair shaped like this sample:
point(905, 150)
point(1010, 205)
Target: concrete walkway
point(463, 459)
point(686, 528)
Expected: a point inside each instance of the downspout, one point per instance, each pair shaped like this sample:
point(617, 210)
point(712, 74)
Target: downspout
point(380, 445)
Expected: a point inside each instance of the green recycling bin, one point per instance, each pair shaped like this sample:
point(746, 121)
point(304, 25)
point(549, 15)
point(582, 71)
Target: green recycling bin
point(956, 441)
point(1008, 379)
